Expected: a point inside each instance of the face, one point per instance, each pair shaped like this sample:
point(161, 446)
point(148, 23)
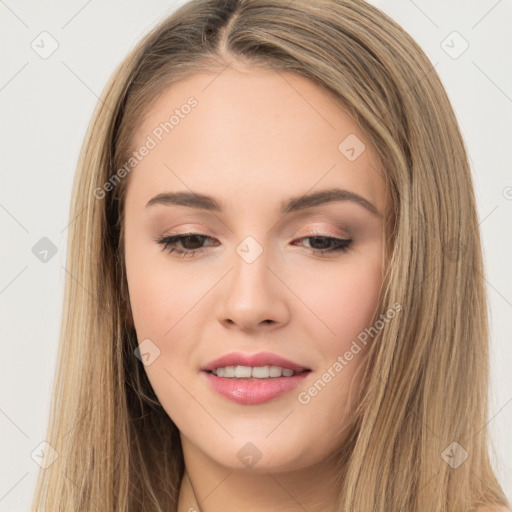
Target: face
point(265, 263)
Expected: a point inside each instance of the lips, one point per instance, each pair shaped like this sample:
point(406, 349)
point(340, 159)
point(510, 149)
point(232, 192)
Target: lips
point(259, 359)
point(253, 391)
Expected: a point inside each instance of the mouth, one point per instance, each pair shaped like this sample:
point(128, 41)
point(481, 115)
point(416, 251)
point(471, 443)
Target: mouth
point(254, 379)
point(254, 372)
point(262, 365)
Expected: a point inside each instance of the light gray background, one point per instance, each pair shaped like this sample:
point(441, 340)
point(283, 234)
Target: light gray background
point(46, 106)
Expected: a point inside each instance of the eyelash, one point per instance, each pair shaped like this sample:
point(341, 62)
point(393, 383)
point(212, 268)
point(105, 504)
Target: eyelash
point(167, 241)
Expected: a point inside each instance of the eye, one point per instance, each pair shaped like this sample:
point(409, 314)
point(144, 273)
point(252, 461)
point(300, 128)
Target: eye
point(334, 244)
point(191, 244)
point(190, 241)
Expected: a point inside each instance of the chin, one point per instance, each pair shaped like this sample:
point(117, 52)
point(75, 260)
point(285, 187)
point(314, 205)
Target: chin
point(263, 455)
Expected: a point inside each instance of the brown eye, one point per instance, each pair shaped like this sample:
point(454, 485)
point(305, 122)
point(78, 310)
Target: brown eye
point(190, 242)
point(327, 244)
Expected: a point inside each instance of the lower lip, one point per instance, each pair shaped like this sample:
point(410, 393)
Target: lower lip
point(253, 392)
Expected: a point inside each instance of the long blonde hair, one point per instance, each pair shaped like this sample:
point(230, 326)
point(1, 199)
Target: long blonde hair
point(427, 380)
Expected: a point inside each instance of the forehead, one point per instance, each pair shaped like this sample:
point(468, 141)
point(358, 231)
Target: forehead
point(260, 130)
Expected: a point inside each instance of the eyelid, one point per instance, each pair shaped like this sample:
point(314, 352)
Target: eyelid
point(195, 229)
point(187, 230)
point(320, 232)
point(204, 233)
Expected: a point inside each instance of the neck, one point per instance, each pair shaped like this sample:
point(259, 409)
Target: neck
point(208, 486)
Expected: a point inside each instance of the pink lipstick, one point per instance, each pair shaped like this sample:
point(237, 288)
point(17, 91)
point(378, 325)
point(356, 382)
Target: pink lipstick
point(255, 378)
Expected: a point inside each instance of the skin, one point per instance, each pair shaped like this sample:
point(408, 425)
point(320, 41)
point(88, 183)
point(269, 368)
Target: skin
point(255, 139)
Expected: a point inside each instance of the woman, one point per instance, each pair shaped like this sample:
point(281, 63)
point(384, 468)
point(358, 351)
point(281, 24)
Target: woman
point(278, 299)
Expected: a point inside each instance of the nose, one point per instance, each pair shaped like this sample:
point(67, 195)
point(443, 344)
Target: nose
point(253, 296)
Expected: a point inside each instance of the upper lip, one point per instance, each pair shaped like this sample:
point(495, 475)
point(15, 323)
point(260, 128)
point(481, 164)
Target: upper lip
point(259, 359)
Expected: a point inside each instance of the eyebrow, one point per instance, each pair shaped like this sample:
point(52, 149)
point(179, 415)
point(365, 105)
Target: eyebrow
point(204, 202)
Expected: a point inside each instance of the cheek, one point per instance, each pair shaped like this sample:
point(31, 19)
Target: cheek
point(344, 301)
point(161, 299)
point(160, 294)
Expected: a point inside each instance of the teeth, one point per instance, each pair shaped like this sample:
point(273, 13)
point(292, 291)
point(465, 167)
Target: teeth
point(228, 372)
point(255, 372)
point(274, 371)
point(243, 372)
